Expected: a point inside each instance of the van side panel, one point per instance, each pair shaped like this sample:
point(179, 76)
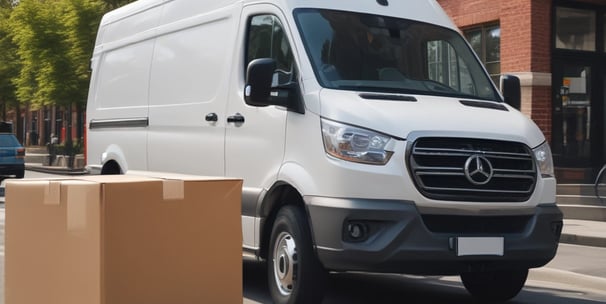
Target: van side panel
point(131, 24)
point(188, 84)
point(119, 92)
point(123, 80)
point(181, 10)
point(121, 97)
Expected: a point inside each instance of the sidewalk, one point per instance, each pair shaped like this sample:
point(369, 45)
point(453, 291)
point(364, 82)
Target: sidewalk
point(587, 233)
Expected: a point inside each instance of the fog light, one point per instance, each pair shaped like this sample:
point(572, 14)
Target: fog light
point(356, 231)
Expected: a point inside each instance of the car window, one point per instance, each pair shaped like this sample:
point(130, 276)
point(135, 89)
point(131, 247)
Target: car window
point(8, 140)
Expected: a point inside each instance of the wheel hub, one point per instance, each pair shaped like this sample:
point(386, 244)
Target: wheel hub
point(285, 263)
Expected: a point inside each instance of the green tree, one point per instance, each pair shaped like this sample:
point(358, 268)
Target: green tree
point(48, 44)
point(9, 61)
point(40, 38)
point(113, 4)
point(6, 3)
point(81, 19)
point(55, 41)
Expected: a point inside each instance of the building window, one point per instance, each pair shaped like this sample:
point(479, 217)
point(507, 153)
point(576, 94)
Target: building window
point(575, 29)
point(486, 42)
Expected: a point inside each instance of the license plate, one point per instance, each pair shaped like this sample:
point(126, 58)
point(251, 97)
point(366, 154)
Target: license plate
point(480, 246)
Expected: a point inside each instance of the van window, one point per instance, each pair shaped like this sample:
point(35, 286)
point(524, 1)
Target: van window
point(363, 52)
point(266, 39)
point(446, 67)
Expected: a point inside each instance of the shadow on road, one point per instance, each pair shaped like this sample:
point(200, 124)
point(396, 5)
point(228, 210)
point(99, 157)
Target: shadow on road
point(356, 288)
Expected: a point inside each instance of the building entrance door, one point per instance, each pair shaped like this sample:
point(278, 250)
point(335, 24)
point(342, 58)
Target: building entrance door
point(577, 115)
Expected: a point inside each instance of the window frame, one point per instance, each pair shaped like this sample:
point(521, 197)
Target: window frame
point(595, 14)
point(600, 28)
point(275, 20)
point(484, 30)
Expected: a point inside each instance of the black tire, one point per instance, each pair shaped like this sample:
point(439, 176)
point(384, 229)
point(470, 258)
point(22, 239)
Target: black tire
point(600, 185)
point(20, 174)
point(294, 273)
point(496, 286)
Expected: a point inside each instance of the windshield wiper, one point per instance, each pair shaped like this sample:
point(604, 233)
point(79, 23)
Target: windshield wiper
point(388, 96)
point(378, 89)
point(381, 89)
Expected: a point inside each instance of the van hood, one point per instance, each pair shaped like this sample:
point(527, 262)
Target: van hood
point(405, 116)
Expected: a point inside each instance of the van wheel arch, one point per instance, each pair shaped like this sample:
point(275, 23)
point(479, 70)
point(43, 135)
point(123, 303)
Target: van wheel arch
point(278, 196)
point(111, 168)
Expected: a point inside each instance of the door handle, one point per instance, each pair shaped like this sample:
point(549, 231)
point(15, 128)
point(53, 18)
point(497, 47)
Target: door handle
point(237, 118)
point(212, 117)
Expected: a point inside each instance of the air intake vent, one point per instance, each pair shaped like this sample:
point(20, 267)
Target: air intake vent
point(475, 170)
point(484, 104)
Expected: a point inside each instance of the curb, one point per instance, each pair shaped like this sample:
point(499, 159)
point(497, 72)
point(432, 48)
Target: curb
point(581, 281)
point(56, 170)
point(583, 240)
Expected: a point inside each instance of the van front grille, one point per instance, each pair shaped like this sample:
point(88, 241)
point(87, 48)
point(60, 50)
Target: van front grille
point(475, 170)
point(476, 224)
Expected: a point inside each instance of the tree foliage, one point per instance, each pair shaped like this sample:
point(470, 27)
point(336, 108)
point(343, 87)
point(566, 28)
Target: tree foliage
point(49, 36)
point(45, 49)
point(82, 20)
point(113, 4)
point(9, 63)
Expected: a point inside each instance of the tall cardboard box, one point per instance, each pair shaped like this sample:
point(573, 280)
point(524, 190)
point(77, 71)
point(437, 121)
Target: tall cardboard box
point(123, 240)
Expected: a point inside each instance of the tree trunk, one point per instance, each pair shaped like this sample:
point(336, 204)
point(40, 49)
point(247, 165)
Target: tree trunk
point(69, 143)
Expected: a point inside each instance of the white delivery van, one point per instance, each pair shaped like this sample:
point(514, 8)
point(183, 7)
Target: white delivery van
point(368, 134)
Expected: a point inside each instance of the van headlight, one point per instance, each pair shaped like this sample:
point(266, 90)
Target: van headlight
point(544, 159)
point(356, 144)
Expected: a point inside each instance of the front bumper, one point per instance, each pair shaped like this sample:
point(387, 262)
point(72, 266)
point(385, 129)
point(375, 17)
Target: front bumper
point(12, 169)
point(397, 238)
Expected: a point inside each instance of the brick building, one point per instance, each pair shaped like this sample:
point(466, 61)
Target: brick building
point(558, 49)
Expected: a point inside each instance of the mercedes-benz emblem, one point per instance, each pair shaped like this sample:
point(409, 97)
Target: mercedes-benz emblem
point(478, 170)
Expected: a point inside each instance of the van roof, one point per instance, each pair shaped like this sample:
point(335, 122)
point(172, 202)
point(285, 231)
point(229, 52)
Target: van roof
point(420, 10)
point(139, 20)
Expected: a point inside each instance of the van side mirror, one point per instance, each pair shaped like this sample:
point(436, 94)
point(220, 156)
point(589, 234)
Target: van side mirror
point(259, 75)
point(259, 91)
point(511, 90)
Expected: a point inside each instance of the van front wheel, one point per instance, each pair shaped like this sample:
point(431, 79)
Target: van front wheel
point(495, 286)
point(294, 273)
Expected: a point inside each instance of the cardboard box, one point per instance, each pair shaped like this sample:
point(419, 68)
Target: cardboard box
point(123, 239)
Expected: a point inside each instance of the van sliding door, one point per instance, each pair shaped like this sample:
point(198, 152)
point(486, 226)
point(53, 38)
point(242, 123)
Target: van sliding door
point(188, 89)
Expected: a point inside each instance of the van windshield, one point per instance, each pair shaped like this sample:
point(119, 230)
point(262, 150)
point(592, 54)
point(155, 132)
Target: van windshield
point(354, 51)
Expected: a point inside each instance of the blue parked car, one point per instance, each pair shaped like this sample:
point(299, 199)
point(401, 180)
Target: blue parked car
point(12, 156)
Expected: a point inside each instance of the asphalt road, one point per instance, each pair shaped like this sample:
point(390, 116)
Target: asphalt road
point(546, 285)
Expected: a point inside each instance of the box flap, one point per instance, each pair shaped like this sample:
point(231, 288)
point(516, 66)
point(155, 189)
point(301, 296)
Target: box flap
point(114, 179)
point(51, 189)
point(185, 177)
point(172, 183)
